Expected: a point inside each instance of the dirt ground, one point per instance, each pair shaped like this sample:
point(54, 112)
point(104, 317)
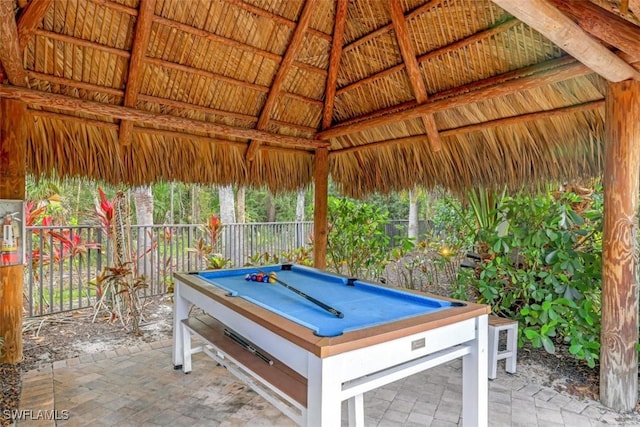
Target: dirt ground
point(63, 336)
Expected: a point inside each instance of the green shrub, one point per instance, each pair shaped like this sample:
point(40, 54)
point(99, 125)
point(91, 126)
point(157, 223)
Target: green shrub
point(544, 269)
point(357, 243)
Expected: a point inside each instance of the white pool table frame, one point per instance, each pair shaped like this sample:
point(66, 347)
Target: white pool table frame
point(344, 367)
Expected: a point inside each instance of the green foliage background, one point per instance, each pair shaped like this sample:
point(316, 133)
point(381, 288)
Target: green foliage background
point(541, 253)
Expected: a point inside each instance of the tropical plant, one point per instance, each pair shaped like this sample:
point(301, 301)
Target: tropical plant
point(546, 271)
point(119, 285)
point(206, 249)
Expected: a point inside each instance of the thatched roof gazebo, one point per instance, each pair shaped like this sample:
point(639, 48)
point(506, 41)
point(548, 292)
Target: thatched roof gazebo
point(380, 95)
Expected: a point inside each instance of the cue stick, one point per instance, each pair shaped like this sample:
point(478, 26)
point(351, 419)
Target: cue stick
point(308, 297)
point(240, 340)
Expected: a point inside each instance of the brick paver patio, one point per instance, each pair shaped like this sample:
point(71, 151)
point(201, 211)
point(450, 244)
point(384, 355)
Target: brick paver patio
point(139, 387)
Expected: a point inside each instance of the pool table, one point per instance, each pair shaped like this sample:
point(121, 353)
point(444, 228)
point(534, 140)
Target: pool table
point(344, 336)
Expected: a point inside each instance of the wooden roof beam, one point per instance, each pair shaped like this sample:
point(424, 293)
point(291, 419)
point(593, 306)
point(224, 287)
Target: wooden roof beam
point(603, 24)
point(283, 70)
point(334, 63)
point(136, 66)
point(493, 87)
point(10, 52)
point(624, 6)
point(30, 18)
point(566, 34)
point(71, 104)
point(413, 71)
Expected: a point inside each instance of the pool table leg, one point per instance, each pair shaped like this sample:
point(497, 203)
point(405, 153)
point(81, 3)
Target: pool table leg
point(180, 312)
point(475, 403)
point(355, 406)
point(323, 393)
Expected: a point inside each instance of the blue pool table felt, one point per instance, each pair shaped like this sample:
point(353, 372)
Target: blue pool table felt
point(363, 304)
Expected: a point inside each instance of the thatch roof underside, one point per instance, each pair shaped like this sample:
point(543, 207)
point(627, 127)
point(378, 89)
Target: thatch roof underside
point(457, 93)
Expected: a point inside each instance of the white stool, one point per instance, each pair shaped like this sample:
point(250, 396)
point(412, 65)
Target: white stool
point(510, 353)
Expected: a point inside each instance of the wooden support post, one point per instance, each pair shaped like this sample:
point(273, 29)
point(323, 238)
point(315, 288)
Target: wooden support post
point(13, 145)
point(320, 200)
point(619, 336)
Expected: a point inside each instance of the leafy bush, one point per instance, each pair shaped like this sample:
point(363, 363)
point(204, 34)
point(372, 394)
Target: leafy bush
point(357, 243)
point(544, 269)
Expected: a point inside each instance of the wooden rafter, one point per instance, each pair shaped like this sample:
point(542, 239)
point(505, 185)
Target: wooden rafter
point(566, 34)
point(10, 52)
point(494, 87)
point(504, 121)
point(136, 66)
point(504, 26)
point(75, 83)
point(413, 71)
point(334, 62)
point(68, 103)
point(603, 24)
point(283, 70)
point(30, 18)
point(624, 6)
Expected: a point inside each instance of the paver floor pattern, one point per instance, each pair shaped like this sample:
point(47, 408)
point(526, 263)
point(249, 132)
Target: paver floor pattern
point(139, 387)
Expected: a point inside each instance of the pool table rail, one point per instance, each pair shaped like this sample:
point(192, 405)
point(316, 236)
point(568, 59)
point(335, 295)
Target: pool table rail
point(329, 346)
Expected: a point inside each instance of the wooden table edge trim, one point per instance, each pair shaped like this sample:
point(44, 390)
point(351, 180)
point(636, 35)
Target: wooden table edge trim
point(329, 346)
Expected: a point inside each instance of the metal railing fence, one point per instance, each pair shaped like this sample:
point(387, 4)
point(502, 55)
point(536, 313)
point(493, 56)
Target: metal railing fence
point(63, 263)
